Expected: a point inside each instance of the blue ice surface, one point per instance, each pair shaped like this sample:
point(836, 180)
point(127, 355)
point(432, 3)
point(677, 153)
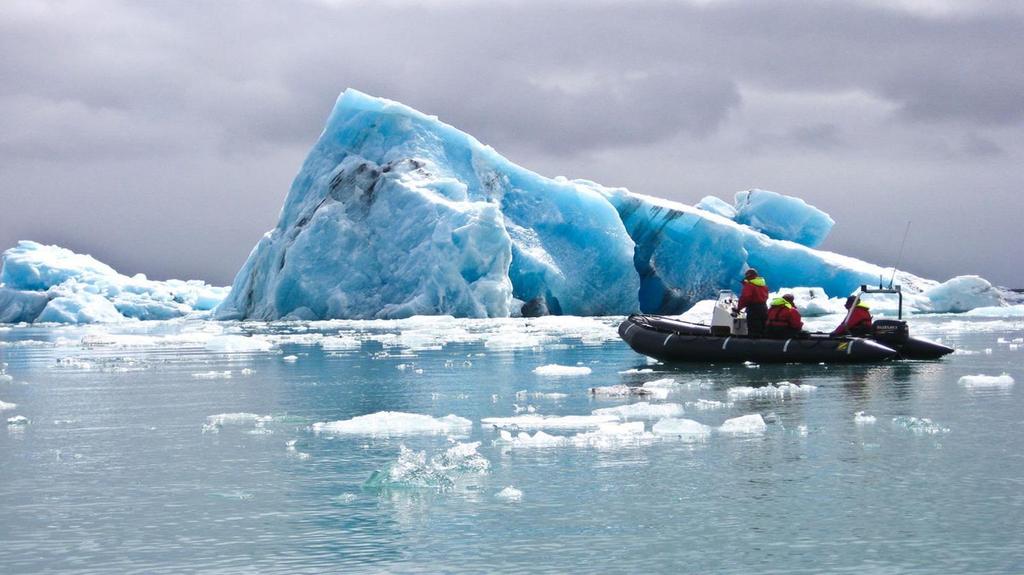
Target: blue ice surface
point(40, 283)
point(395, 213)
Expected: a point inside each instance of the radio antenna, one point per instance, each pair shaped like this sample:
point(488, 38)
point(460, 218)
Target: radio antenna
point(899, 258)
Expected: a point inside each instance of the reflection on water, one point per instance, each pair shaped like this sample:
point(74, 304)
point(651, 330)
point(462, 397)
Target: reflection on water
point(122, 468)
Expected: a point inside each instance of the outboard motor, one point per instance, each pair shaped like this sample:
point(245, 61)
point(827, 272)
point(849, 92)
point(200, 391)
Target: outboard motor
point(890, 332)
point(723, 321)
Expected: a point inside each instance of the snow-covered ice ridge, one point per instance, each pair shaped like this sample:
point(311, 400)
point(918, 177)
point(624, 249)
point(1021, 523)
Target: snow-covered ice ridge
point(396, 214)
point(40, 283)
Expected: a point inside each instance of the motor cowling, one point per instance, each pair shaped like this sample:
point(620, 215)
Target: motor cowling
point(890, 331)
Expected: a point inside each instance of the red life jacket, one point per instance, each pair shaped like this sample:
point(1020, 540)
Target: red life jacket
point(781, 316)
point(754, 291)
point(859, 322)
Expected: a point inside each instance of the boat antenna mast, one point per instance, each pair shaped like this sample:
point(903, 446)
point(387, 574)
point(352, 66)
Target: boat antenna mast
point(899, 257)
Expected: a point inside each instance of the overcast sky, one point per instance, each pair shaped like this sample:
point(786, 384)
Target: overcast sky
point(162, 137)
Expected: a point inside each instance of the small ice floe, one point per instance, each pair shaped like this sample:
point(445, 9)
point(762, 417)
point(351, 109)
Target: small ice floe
point(397, 423)
point(290, 358)
point(4, 406)
point(861, 418)
point(708, 405)
point(517, 409)
point(660, 388)
point(752, 424)
point(981, 381)
point(215, 423)
point(641, 410)
point(238, 344)
point(780, 390)
point(346, 498)
point(339, 343)
point(5, 378)
point(636, 371)
point(555, 370)
point(17, 421)
point(510, 494)
point(613, 435)
point(685, 429)
point(212, 375)
point(621, 390)
point(919, 426)
point(294, 451)
point(414, 470)
point(523, 394)
point(549, 421)
point(988, 351)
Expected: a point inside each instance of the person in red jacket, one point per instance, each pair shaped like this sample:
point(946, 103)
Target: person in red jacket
point(754, 298)
point(857, 321)
point(783, 318)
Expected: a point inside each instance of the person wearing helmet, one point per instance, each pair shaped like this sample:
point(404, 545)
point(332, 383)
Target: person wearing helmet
point(783, 318)
point(754, 298)
point(857, 321)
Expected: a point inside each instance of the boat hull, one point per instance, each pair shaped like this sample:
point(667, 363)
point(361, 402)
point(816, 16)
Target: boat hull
point(671, 340)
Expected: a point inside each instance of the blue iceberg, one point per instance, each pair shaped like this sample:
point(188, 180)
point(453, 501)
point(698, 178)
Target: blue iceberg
point(395, 214)
point(40, 283)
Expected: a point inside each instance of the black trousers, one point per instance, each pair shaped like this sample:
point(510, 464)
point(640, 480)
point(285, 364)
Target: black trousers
point(757, 314)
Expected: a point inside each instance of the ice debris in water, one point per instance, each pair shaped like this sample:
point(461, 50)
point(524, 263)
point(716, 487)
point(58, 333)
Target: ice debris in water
point(290, 358)
point(861, 418)
point(977, 381)
point(607, 435)
point(620, 390)
point(4, 406)
point(17, 420)
point(780, 390)
point(212, 375)
point(920, 426)
point(642, 410)
point(523, 394)
point(238, 344)
point(510, 494)
point(397, 423)
point(708, 405)
point(555, 370)
point(215, 423)
point(549, 421)
point(413, 469)
point(752, 424)
point(686, 429)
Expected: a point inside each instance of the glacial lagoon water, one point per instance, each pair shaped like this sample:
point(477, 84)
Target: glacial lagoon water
point(188, 446)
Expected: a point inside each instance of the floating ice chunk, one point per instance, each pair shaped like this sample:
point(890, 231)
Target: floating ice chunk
point(635, 371)
point(212, 375)
point(346, 498)
point(555, 370)
point(80, 307)
point(290, 358)
point(752, 424)
point(621, 390)
point(523, 394)
point(524, 439)
point(920, 426)
point(642, 410)
point(6, 378)
point(339, 343)
point(861, 418)
point(665, 383)
point(397, 423)
point(238, 344)
point(4, 406)
point(412, 469)
point(962, 293)
point(977, 381)
point(17, 421)
point(1008, 311)
point(683, 428)
point(549, 421)
point(510, 494)
point(612, 435)
point(707, 405)
point(214, 423)
point(780, 390)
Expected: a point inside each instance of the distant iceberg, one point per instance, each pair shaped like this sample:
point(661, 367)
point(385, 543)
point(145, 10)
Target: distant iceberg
point(395, 214)
point(40, 283)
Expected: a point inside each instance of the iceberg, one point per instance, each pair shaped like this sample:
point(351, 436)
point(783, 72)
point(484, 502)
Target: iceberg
point(40, 283)
point(395, 214)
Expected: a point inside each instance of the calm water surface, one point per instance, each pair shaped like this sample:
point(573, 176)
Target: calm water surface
point(114, 472)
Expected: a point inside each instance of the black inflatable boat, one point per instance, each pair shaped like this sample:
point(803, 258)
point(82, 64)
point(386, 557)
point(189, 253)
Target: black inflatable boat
point(672, 340)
